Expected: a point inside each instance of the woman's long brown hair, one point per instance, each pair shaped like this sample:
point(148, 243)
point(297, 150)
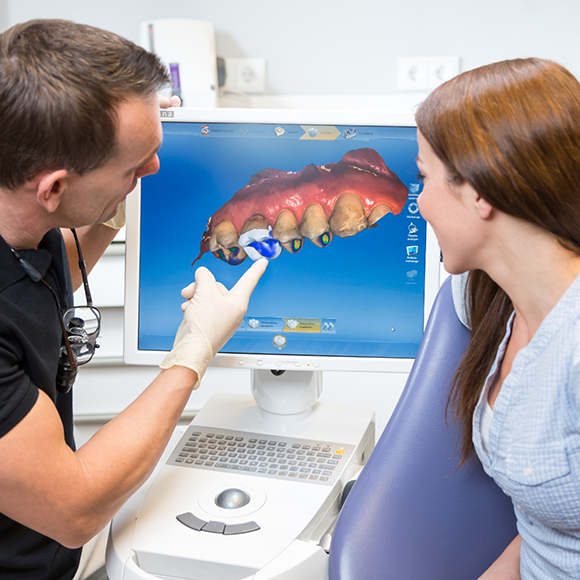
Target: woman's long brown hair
point(512, 131)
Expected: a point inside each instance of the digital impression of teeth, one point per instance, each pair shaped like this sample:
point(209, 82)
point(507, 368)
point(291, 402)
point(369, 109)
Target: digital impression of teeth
point(279, 209)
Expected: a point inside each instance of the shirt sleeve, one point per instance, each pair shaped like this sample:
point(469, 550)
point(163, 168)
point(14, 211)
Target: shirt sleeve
point(17, 393)
point(458, 289)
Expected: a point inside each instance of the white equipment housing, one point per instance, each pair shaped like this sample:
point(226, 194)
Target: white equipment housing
point(148, 542)
point(188, 49)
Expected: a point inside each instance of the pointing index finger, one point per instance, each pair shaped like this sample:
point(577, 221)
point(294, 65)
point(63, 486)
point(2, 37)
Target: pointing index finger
point(246, 284)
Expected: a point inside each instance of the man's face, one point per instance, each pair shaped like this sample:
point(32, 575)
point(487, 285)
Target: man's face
point(94, 197)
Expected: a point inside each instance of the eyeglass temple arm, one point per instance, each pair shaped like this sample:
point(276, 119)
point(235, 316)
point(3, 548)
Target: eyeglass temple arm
point(83, 268)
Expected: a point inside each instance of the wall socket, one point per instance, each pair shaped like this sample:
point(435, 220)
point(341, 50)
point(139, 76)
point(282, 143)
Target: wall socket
point(425, 73)
point(246, 74)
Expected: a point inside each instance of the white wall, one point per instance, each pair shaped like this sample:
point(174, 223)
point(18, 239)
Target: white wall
point(318, 47)
point(3, 14)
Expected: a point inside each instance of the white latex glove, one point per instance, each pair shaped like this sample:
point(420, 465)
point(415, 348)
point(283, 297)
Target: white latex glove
point(211, 315)
point(118, 220)
point(166, 102)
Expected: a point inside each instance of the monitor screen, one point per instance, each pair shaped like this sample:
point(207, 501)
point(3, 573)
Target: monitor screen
point(329, 198)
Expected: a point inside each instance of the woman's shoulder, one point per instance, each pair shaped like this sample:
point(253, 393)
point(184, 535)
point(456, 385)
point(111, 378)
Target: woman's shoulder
point(458, 290)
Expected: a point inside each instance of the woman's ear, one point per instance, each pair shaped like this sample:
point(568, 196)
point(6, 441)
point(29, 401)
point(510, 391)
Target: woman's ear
point(50, 188)
point(483, 207)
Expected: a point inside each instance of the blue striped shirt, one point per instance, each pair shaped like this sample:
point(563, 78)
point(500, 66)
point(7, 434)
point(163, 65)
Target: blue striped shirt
point(534, 437)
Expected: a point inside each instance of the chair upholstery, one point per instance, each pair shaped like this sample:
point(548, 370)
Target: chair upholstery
point(412, 515)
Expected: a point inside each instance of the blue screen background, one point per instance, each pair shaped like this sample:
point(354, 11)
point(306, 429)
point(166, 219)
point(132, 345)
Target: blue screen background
point(367, 284)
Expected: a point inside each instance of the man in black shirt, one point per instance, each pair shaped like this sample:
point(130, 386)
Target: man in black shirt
point(79, 124)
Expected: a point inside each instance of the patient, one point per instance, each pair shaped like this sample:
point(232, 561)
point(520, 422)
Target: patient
point(499, 150)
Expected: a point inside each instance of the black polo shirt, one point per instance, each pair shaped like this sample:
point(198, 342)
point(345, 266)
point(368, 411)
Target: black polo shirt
point(30, 339)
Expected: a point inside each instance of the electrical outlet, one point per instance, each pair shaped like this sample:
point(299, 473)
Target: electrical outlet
point(441, 69)
point(423, 73)
point(412, 73)
point(246, 74)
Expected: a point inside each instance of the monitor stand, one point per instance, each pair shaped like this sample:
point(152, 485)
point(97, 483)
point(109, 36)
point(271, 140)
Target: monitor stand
point(286, 396)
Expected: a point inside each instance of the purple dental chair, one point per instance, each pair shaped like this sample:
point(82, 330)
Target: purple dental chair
point(412, 515)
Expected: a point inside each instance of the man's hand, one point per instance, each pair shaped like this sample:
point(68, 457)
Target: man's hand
point(166, 102)
point(211, 315)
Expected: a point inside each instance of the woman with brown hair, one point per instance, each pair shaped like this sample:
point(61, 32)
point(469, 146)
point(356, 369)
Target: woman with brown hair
point(499, 149)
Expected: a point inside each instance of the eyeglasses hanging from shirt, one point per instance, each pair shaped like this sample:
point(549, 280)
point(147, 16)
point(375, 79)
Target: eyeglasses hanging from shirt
point(80, 325)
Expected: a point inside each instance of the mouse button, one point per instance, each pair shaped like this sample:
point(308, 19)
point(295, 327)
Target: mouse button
point(244, 528)
point(191, 521)
point(214, 527)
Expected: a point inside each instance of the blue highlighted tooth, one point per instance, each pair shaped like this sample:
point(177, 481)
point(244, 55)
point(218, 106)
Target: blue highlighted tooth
point(268, 248)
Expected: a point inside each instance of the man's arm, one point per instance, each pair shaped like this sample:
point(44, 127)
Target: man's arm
point(94, 241)
point(70, 496)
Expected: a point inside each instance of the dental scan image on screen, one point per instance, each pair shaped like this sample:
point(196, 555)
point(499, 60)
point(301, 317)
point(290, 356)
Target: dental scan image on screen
point(334, 208)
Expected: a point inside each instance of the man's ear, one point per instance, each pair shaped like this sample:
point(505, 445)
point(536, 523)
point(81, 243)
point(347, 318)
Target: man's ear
point(50, 188)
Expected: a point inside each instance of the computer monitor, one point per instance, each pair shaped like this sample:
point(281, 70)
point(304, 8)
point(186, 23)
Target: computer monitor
point(331, 197)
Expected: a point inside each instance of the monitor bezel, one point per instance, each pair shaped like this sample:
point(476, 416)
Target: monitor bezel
point(131, 353)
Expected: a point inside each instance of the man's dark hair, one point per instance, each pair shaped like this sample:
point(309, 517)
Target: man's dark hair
point(60, 86)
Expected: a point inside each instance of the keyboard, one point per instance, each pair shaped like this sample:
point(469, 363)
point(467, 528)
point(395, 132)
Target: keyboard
point(271, 456)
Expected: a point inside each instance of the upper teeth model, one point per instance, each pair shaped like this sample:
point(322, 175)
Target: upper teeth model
point(278, 209)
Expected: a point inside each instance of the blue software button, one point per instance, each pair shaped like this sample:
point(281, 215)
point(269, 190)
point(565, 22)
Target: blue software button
point(328, 326)
point(260, 324)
